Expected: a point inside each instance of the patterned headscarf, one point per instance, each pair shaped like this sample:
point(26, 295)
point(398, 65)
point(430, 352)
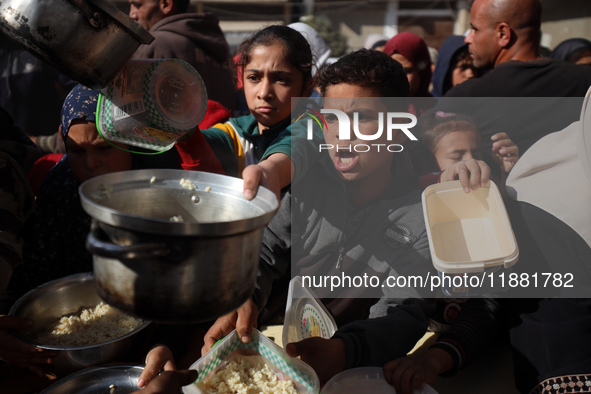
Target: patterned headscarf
point(79, 104)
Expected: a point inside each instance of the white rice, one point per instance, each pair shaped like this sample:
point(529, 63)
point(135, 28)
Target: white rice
point(187, 184)
point(242, 376)
point(89, 326)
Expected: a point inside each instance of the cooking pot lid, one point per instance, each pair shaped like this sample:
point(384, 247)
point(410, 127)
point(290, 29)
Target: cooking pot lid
point(136, 30)
point(176, 202)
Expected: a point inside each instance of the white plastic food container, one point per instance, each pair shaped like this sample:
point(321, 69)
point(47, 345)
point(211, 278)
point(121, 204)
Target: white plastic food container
point(284, 366)
point(469, 233)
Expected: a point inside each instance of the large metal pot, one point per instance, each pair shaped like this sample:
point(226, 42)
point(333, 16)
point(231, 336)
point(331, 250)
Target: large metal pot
point(88, 40)
point(192, 270)
point(49, 302)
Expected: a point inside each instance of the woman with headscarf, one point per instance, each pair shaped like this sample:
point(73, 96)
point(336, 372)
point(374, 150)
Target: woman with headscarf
point(55, 234)
point(454, 65)
point(411, 51)
point(573, 50)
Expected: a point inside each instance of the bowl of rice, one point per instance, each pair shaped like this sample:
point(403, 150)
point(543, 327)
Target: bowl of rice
point(70, 317)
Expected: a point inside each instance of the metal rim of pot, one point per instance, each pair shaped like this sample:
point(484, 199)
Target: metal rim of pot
point(265, 203)
point(84, 277)
point(141, 34)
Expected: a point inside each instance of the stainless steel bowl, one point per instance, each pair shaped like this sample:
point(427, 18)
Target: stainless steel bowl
point(50, 301)
point(111, 379)
point(192, 270)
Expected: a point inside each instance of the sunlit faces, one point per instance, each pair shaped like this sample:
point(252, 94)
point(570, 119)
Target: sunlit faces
point(145, 12)
point(411, 73)
point(368, 169)
point(456, 146)
point(90, 155)
point(270, 82)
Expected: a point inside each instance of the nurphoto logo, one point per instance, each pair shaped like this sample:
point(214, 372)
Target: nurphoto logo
point(393, 122)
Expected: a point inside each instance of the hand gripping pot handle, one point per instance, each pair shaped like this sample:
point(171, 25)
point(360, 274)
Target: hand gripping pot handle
point(124, 252)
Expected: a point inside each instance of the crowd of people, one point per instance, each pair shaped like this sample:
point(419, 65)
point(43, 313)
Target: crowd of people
point(345, 208)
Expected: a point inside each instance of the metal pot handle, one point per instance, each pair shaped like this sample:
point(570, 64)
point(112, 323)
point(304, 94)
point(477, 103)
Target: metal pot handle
point(130, 252)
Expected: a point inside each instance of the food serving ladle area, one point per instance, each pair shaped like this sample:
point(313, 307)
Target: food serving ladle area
point(175, 246)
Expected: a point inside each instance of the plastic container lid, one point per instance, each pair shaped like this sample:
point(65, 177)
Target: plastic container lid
point(305, 315)
point(286, 367)
point(468, 232)
point(358, 380)
point(365, 380)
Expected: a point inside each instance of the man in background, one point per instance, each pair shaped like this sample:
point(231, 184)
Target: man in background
point(505, 39)
point(503, 31)
point(195, 38)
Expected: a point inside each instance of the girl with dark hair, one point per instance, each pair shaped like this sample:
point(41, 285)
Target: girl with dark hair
point(275, 67)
